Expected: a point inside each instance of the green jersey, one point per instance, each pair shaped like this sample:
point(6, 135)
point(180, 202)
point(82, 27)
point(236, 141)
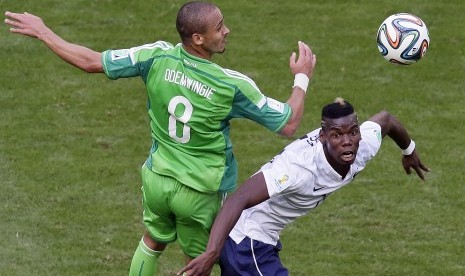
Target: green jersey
point(190, 103)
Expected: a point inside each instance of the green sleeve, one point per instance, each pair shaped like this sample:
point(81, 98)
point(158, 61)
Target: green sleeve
point(136, 61)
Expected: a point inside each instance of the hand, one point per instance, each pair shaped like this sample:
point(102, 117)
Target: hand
point(200, 266)
point(26, 24)
point(413, 161)
point(305, 62)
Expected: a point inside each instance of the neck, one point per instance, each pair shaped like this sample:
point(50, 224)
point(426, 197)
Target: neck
point(341, 169)
point(197, 51)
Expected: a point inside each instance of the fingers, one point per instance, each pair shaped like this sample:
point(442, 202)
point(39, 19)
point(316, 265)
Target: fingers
point(313, 60)
point(420, 168)
point(423, 167)
point(419, 173)
point(12, 16)
point(12, 23)
point(302, 53)
point(292, 58)
point(182, 271)
point(304, 62)
point(304, 50)
point(26, 24)
point(413, 162)
point(14, 20)
point(408, 170)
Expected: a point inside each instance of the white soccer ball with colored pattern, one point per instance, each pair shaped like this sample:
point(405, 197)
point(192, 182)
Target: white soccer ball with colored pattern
point(403, 38)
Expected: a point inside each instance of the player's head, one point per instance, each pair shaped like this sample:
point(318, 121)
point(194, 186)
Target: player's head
point(340, 133)
point(201, 26)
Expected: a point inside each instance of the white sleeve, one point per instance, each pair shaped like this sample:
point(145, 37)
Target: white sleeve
point(371, 138)
point(281, 175)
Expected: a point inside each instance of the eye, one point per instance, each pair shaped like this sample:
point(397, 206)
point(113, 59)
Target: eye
point(220, 27)
point(355, 132)
point(335, 135)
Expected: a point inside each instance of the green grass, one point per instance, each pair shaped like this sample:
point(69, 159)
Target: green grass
point(71, 143)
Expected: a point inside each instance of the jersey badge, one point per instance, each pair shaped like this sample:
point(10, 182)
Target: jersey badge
point(274, 104)
point(119, 54)
point(281, 181)
point(378, 135)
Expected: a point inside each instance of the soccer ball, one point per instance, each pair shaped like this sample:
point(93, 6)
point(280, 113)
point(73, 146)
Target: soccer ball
point(403, 38)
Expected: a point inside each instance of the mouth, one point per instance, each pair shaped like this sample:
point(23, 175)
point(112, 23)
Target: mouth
point(348, 156)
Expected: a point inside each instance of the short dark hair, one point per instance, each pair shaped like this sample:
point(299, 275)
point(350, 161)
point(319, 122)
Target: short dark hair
point(337, 109)
point(191, 19)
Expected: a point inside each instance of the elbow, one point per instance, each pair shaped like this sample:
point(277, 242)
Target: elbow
point(91, 63)
point(92, 67)
point(289, 130)
point(385, 114)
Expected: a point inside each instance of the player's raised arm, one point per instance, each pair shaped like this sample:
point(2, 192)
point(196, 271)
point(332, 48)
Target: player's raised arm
point(391, 127)
point(302, 68)
point(33, 26)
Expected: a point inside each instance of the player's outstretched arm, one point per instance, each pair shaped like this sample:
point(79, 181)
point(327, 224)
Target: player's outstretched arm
point(302, 68)
point(251, 193)
point(33, 26)
point(391, 127)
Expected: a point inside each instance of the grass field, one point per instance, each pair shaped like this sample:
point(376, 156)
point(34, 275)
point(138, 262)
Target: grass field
point(71, 143)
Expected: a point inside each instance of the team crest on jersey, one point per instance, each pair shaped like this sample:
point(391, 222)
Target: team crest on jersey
point(378, 135)
point(119, 54)
point(281, 181)
point(274, 104)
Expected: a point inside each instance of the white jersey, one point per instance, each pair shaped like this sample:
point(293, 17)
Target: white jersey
point(298, 180)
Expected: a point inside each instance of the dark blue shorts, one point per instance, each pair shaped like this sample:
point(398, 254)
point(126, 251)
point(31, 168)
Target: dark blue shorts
point(251, 258)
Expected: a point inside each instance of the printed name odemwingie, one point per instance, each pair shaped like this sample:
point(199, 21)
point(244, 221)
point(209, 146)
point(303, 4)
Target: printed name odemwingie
point(179, 78)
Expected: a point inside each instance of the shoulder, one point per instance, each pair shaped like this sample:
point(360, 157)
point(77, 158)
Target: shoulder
point(371, 139)
point(151, 48)
point(371, 129)
point(301, 152)
point(238, 79)
point(138, 53)
point(288, 171)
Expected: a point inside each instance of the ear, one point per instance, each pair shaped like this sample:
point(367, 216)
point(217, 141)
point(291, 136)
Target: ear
point(322, 136)
point(197, 39)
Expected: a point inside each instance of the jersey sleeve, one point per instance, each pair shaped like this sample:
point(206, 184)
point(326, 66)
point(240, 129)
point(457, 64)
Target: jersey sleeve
point(371, 139)
point(283, 175)
point(250, 102)
point(132, 62)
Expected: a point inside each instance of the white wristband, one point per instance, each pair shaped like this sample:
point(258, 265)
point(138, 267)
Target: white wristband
point(409, 149)
point(301, 80)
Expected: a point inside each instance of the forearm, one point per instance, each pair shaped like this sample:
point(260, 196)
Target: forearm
point(224, 223)
point(296, 102)
point(76, 55)
point(30, 25)
point(252, 192)
point(399, 134)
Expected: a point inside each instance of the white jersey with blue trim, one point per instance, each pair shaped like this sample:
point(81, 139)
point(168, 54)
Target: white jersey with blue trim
point(298, 180)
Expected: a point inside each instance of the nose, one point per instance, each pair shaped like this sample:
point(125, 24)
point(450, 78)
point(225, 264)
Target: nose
point(226, 30)
point(346, 140)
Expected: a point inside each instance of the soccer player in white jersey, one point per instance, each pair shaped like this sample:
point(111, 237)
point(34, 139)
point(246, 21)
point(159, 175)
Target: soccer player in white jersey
point(190, 104)
point(294, 182)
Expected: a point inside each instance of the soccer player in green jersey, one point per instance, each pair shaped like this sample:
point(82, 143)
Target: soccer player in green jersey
point(191, 101)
